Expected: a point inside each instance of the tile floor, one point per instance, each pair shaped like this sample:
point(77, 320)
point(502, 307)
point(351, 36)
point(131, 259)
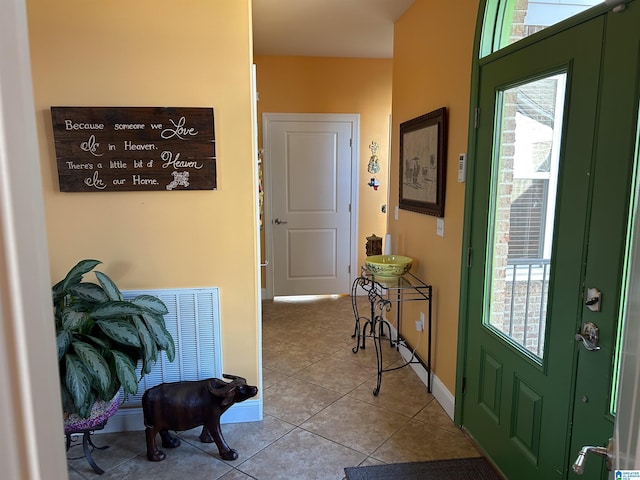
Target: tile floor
point(319, 412)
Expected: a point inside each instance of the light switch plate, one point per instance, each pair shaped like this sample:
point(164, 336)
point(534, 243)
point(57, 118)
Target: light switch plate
point(440, 226)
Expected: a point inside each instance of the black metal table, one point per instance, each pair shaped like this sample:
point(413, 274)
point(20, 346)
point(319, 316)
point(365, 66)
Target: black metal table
point(382, 293)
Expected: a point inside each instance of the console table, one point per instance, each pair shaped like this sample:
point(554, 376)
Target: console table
point(382, 293)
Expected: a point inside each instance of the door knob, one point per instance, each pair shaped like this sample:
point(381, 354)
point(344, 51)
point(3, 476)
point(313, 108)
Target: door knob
point(277, 221)
point(607, 452)
point(589, 336)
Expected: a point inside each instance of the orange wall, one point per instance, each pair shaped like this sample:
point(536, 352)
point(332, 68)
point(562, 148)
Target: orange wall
point(157, 53)
point(432, 69)
point(337, 85)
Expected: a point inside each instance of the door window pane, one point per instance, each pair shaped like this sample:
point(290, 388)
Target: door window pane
point(524, 184)
point(507, 21)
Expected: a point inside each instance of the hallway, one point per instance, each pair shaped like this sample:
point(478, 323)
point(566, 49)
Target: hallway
point(319, 411)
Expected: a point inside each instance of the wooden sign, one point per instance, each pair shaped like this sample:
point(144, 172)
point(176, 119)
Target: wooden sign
point(107, 149)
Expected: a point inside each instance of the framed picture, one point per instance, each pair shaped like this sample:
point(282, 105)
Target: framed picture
point(423, 163)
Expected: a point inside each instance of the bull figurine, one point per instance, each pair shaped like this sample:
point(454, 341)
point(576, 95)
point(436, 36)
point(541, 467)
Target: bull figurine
point(182, 406)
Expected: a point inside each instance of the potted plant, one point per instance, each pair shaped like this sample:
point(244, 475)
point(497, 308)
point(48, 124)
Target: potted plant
point(101, 338)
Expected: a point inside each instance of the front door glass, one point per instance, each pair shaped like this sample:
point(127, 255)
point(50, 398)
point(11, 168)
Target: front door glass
point(507, 21)
point(522, 211)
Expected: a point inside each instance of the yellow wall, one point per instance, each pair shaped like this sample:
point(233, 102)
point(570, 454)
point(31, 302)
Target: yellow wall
point(432, 69)
point(157, 53)
point(337, 85)
point(150, 53)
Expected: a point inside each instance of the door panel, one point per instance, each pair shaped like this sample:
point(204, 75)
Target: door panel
point(615, 145)
point(517, 401)
point(310, 164)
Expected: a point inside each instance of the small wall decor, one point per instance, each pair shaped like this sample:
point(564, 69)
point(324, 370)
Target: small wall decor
point(374, 164)
point(261, 186)
point(423, 157)
point(374, 245)
point(106, 149)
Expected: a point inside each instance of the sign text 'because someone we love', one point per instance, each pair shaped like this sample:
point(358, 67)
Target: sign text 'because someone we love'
point(106, 149)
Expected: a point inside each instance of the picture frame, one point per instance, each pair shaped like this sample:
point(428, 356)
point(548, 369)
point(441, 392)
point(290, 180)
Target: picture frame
point(423, 163)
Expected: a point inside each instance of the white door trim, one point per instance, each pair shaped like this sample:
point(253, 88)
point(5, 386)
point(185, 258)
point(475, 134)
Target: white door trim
point(352, 118)
point(30, 406)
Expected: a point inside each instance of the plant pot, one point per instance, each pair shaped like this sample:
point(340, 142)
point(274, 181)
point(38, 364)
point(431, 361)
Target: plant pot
point(101, 411)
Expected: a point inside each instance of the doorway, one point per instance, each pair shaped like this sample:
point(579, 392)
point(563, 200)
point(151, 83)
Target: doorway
point(548, 224)
point(311, 212)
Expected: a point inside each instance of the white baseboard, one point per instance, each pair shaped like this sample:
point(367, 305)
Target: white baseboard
point(131, 419)
point(443, 396)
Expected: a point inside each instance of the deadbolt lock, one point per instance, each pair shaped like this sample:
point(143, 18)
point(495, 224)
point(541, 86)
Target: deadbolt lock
point(594, 299)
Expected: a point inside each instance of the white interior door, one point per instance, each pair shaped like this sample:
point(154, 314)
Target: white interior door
point(310, 159)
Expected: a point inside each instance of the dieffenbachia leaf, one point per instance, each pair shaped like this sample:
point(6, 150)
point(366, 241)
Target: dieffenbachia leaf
point(149, 302)
point(126, 372)
point(77, 380)
point(162, 337)
point(109, 286)
point(150, 351)
point(102, 343)
point(75, 274)
point(89, 292)
point(67, 401)
point(63, 340)
point(117, 309)
point(84, 410)
point(120, 331)
point(95, 364)
point(72, 319)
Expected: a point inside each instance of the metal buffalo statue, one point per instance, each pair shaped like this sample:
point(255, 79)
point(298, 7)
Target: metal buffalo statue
point(182, 406)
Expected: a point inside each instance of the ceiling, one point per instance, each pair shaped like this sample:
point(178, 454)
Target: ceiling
point(327, 28)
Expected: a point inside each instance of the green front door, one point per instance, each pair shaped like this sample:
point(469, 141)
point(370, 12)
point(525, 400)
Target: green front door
point(547, 223)
point(615, 146)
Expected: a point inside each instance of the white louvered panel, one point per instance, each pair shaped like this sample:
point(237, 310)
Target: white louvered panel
point(194, 322)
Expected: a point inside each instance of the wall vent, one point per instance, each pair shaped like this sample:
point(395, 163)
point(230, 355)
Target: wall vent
point(194, 322)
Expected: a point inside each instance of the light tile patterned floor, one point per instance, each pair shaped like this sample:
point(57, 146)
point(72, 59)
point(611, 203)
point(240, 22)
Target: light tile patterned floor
point(320, 415)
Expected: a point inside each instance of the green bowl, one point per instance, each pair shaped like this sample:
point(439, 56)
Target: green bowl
point(388, 266)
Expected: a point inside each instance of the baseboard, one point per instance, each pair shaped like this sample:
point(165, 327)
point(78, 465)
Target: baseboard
point(443, 396)
point(131, 420)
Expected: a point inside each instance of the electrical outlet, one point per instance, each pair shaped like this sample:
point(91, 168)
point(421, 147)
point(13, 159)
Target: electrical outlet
point(420, 323)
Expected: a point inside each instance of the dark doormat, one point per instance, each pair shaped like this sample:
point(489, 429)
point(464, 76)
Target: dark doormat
point(459, 469)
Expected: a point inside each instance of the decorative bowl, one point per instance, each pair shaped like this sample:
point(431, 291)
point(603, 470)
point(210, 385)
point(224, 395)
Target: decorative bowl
point(388, 266)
